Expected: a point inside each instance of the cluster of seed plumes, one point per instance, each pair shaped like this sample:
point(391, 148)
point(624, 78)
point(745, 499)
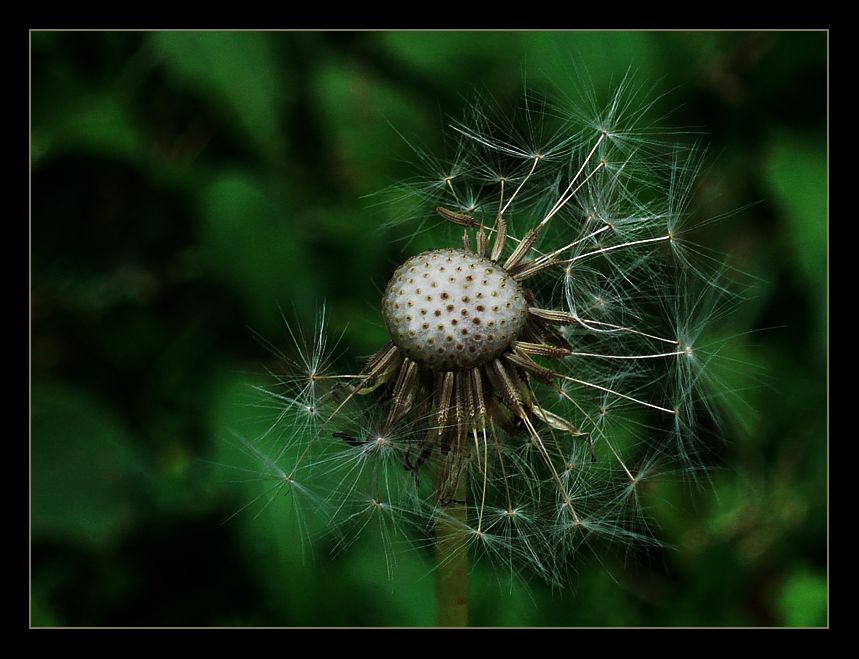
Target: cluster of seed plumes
point(540, 375)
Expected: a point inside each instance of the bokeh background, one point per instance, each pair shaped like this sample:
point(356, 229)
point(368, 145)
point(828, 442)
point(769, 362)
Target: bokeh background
point(190, 189)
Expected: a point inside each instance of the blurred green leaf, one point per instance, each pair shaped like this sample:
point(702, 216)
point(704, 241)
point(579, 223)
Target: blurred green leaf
point(96, 123)
point(451, 56)
point(489, 588)
point(41, 612)
point(85, 470)
point(797, 173)
point(249, 240)
point(797, 170)
point(802, 600)
point(359, 112)
point(597, 602)
point(560, 58)
point(239, 68)
point(405, 598)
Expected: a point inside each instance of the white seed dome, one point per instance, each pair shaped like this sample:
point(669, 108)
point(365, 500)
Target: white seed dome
point(451, 309)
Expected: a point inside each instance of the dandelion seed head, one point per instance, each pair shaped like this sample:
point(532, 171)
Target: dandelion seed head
point(474, 312)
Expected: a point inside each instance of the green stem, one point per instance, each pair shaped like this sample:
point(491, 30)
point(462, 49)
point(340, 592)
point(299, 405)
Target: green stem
point(451, 555)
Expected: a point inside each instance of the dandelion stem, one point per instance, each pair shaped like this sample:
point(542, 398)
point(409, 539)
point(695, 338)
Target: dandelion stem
point(604, 356)
point(569, 195)
point(614, 247)
point(451, 552)
point(617, 393)
point(525, 180)
point(587, 322)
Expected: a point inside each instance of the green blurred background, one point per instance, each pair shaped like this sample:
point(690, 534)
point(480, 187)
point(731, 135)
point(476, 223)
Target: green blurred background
point(188, 187)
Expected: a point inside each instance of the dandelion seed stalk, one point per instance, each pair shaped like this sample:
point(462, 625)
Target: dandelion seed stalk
point(451, 556)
